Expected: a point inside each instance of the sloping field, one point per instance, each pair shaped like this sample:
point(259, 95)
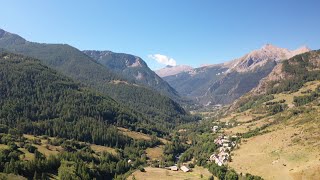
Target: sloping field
point(138, 135)
point(163, 174)
point(290, 151)
point(155, 153)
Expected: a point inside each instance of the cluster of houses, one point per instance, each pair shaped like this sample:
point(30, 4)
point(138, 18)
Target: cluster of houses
point(183, 168)
point(225, 146)
point(175, 168)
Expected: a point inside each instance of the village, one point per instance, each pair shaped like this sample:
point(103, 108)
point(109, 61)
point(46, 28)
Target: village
point(226, 145)
point(222, 156)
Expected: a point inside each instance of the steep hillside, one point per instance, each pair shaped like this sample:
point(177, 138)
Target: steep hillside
point(280, 135)
point(224, 83)
point(300, 69)
point(54, 128)
point(279, 122)
point(196, 82)
point(67, 59)
point(234, 84)
point(80, 67)
point(133, 68)
point(36, 99)
point(287, 77)
point(31, 92)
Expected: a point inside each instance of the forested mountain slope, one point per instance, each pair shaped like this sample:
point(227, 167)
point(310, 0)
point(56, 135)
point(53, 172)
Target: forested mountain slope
point(51, 127)
point(40, 100)
point(133, 68)
point(80, 67)
point(36, 99)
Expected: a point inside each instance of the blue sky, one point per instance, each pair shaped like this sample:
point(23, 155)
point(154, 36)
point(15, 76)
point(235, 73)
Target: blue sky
point(191, 32)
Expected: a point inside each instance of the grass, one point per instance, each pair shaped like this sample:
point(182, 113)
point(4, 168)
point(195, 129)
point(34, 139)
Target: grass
point(28, 136)
point(155, 153)
point(245, 127)
point(241, 117)
point(291, 150)
point(27, 155)
point(51, 150)
point(163, 174)
point(310, 173)
point(138, 135)
point(289, 97)
point(3, 146)
point(54, 150)
point(99, 149)
point(133, 134)
point(275, 156)
point(4, 176)
point(47, 152)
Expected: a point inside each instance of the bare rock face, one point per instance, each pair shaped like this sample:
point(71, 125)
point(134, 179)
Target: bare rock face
point(300, 50)
point(123, 60)
point(133, 68)
point(172, 70)
point(275, 75)
point(260, 57)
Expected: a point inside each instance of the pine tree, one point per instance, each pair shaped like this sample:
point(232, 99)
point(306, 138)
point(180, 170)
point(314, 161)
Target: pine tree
point(35, 176)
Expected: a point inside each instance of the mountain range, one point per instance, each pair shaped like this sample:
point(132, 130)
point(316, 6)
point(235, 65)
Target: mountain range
point(224, 83)
point(129, 76)
point(75, 64)
point(71, 114)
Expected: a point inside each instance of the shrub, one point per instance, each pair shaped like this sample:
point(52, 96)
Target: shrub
point(141, 168)
point(30, 148)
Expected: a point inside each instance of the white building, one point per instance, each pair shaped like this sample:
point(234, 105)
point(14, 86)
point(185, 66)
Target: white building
point(173, 168)
point(215, 128)
point(185, 169)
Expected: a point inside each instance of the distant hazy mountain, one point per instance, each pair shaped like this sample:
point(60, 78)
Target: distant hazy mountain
point(172, 70)
point(133, 68)
point(223, 83)
point(82, 68)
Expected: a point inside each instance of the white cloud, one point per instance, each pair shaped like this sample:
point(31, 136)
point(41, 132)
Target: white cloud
point(163, 59)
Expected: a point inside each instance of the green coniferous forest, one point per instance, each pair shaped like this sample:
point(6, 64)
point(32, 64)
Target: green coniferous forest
point(39, 101)
point(74, 64)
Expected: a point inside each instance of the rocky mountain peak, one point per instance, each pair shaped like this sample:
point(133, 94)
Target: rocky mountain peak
point(172, 70)
point(116, 60)
point(8, 38)
point(269, 47)
point(259, 57)
point(2, 32)
point(302, 49)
